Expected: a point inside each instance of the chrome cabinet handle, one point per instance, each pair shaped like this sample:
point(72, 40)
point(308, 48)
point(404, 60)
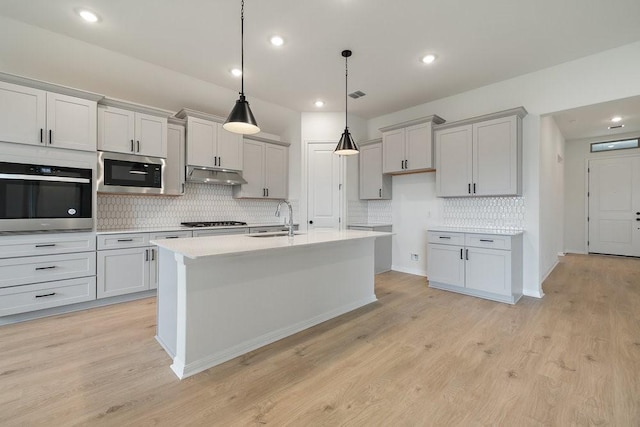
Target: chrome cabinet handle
point(46, 295)
point(45, 268)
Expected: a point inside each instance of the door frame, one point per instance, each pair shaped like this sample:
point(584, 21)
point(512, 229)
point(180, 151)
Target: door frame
point(587, 198)
point(304, 185)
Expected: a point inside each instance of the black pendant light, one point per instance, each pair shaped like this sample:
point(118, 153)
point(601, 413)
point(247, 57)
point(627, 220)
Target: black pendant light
point(346, 145)
point(241, 118)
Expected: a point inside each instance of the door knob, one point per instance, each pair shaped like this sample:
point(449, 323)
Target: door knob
point(311, 222)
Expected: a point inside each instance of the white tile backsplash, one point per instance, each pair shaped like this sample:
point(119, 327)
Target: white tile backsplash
point(379, 212)
point(484, 212)
point(201, 202)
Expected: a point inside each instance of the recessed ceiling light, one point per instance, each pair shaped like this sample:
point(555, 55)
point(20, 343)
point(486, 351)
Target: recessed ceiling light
point(236, 72)
point(88, 16)
point(277, 41)
point(616, 119)
point(319, 103)
point(428, 59)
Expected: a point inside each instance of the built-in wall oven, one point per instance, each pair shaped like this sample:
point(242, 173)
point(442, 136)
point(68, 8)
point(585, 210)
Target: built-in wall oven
point(44, 198)
point(125, 173)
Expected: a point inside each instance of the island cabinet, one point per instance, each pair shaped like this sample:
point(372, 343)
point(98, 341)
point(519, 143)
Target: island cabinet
point(266, 169)
point(208, 144)
point(485, 265)
point(38, 117)
point(480, 156)
point(374, 185)
point(125, 130)
point(407, 147)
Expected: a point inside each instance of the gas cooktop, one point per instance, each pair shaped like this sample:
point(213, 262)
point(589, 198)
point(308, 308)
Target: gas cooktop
point(212, 223)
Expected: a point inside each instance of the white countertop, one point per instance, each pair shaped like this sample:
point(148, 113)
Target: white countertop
point(477, 230)
point(198, 247)
point(180, 228)
point(370, 224)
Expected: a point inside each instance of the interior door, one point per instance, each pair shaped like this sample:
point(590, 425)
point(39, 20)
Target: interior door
point(614, 206)
point(324, 172)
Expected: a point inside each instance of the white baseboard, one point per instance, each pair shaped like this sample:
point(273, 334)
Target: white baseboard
point(533, 293)
point(186, 370)
point(416, 271)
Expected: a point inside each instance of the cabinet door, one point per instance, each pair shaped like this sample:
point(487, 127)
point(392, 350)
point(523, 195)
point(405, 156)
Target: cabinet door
point(122, 271)
point(116, 130)
point(453, 161)
point(229, 149)
point(276, 171)
point(495, 157)
point(419, 147)
point(371, 171)
point(71, 122)
point(151, 135)
point(22, 114)
point(393, 155)
point(202, 136)
point(488, 270)
point(174, 167)
point(253, 173)
point(445, 264)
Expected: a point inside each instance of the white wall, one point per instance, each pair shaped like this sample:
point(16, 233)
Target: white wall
point(552, 154)
point(573, 84)
point(577, 154)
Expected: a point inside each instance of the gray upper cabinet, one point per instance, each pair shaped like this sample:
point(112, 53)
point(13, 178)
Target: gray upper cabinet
point(408, 147)
point(174, 170)
point(373, 184)
point(266, 170)
point(480, 156)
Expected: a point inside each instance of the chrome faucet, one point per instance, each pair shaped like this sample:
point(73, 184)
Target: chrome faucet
point(290, 225)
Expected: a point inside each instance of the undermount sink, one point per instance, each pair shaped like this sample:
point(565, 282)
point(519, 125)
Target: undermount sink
point(277, 234)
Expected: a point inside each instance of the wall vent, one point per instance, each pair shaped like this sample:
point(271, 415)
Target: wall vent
point(357, 94)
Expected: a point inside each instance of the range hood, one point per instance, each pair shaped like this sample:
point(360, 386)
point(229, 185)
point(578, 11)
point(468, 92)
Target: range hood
point(204, 175)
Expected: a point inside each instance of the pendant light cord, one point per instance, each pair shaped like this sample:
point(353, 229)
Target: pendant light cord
point(242, 47)
point(346, 91)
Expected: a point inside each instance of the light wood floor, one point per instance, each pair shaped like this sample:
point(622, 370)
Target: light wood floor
point(418, 356)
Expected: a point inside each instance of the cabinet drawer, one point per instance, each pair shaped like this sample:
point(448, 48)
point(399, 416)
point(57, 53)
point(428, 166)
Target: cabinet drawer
point(170, 235)
point(488, 241)
point(123, 240)
point(46, 244)
point(21, 299)
point(446, 238)
point(46, 268)
point(220, 232)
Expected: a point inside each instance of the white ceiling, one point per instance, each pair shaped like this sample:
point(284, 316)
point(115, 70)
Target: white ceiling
point(477, 42)
point(592, 121)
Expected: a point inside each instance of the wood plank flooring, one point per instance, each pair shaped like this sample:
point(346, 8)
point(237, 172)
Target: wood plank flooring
point(418, 356)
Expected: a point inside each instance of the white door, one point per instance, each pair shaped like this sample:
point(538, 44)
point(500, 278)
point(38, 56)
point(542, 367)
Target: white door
point(22, 114)
point(229, 149)
point(454, 148)
point(393, 156)
point(495, 157)
point(323, 203)
point(253, 153)
point(276, 173)
point(614, 206)
point(419, 147)
point(72, 122)
point(488, 270)
point(445, 264)
point(202, 138)
point(116, 130)
point(151, 135)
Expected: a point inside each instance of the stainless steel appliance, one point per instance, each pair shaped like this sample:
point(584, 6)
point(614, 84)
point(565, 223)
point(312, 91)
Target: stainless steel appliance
point(202, 175)
point(198, 224)
point(44, 198)
point(126, 173)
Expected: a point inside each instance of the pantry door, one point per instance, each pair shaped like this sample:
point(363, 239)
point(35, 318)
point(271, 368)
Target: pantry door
point(614, 206)
point(324, 186)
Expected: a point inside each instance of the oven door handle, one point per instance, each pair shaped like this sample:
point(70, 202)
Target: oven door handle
point(24, 177)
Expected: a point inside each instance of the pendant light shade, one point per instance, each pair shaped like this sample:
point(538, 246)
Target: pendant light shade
point(241, 119)
point(346, 146)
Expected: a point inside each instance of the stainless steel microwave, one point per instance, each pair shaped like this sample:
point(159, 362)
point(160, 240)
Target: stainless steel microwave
point(126, 173)
point(44, 198)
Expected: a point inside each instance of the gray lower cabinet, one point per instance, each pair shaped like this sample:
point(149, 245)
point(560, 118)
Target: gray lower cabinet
point(123, 271)
point(483, 265)
point(382, 245)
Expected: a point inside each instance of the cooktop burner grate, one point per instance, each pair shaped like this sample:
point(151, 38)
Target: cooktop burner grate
point(212, 223)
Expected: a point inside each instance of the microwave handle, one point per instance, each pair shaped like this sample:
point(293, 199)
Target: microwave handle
point(24, 177)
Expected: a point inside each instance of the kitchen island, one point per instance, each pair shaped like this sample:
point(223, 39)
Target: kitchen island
point(222, 296)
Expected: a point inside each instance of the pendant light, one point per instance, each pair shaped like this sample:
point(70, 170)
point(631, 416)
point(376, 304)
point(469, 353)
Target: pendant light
point(346, 145)
point(241, 118)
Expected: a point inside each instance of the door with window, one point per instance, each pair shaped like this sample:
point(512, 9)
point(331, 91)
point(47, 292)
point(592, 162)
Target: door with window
point(614, 206)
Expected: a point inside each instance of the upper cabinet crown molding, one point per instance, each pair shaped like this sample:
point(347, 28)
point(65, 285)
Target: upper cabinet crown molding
point(50, 87)
point(436, 120)
point(187, 112)
point(267, 140)
point(520, 112)
point(369, 142)
point(132, 106)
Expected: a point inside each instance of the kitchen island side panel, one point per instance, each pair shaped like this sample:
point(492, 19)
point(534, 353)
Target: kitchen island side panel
point(230, 305)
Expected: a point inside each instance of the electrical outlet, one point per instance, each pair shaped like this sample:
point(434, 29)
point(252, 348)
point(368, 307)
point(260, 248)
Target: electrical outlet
point(414, 257)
